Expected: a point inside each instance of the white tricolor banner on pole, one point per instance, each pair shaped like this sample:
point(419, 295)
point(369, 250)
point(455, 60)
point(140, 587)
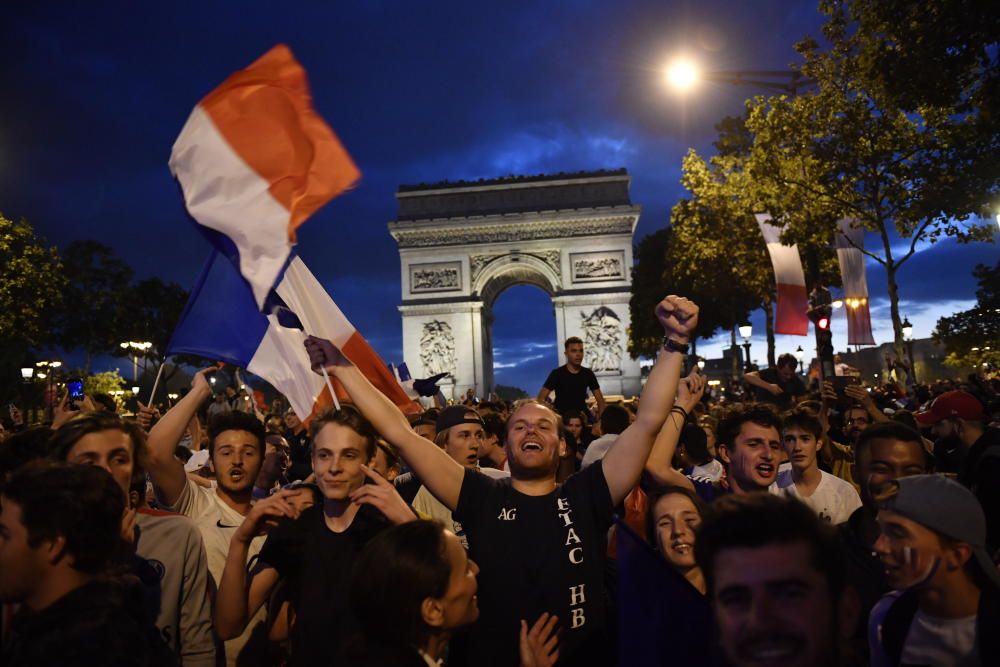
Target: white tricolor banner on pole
point(850, 241)
point(791, 315)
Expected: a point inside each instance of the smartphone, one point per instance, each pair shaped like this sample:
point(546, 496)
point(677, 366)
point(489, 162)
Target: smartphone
point(74, 391)
point(839, 383)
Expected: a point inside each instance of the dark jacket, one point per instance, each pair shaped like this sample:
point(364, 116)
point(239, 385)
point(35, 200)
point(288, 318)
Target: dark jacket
point(900, 615)
point(103, 622)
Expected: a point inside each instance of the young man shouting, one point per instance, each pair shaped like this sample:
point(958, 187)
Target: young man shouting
point(540, 546)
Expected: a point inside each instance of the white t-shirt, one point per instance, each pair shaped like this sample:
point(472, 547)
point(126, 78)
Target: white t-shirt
point(941, 642)
point(834, 500)
point(217, 523)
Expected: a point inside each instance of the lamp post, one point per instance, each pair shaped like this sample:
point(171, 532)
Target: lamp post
point(683, 74)
point(137, 347)
point(746, 330)
point(47, 372)
point(800, 355)
point(907, 330)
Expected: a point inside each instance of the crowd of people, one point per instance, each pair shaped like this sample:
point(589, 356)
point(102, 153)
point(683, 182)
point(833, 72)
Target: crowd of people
point(826, 525)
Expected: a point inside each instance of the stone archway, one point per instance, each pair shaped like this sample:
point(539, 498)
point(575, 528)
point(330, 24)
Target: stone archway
point(462, 244)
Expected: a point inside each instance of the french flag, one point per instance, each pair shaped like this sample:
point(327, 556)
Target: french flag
point(254, 161)
point(222, 321)
point(791, 315)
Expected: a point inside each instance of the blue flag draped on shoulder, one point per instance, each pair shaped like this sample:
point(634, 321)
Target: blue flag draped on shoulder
point(662, 619)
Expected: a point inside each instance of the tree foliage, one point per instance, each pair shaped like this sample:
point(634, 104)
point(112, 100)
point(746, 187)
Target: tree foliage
point(95, 318)
point(31, 282)
point(900, 159)
point(972, 337)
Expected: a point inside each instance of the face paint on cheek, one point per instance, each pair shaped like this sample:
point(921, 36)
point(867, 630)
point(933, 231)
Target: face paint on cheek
point(920, 568)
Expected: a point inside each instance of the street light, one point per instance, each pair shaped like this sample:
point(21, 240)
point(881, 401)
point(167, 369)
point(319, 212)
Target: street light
point(137, 347)
point(682, 74)
point(746, 330)
point(800, 355)
point(907, 330)
point(26, 373)
point(701, 364)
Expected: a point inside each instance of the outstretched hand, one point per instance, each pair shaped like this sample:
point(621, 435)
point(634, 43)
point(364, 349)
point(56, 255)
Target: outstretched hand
point(324, 354)
point(539, 646)
point(382, 495)
point(679, 317)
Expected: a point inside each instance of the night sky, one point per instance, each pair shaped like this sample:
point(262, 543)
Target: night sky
point(95, 94)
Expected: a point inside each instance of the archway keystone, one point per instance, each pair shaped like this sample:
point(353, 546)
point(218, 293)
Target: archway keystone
point(462, 244)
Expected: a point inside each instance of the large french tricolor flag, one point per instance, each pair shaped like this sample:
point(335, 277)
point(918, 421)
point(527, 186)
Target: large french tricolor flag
point(791, 316)
point(254, 161)
point(222, 321)
point(850, 243)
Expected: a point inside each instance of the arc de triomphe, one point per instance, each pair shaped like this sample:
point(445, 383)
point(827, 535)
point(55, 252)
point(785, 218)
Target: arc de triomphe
point(462, 244)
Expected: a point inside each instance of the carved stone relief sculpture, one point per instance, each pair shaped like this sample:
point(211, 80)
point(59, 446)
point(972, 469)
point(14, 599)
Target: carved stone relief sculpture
point(602, 340)
point(437, 348)
point(435, 277)
point(591, 266)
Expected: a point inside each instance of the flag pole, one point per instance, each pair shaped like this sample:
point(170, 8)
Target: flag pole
point(329, 385)
point(156, 382)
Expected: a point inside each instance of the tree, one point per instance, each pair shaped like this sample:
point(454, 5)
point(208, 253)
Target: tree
point(972, 337)
point(31, 282)
point(901, 160)
point(95, 314)
point(154, 308)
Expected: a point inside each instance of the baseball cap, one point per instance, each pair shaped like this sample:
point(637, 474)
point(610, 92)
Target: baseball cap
point(946, 507)
point(453, 415)
point(955, 403)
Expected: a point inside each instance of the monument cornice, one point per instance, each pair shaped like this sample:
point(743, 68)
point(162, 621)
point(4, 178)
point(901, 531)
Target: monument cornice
point(516, 227)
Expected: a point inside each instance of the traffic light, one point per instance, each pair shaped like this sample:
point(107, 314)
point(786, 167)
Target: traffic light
point(820, 312)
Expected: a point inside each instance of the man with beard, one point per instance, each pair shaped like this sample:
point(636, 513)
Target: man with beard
point(946, 606)
point(313, 552)
point(571, 382)
point(236, 453)
point(958, 422)
point(885, 452)
point(775, 578)
point(540, 546)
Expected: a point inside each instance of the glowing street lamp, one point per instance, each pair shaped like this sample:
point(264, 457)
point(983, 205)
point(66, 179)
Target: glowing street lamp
point(26, 373)
point(137, 347)
point(746, 330)
point(682, 74)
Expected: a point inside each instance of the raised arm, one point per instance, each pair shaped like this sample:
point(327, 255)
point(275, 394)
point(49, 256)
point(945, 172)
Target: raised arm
point(660, 461)
point(756, 380)
point(439, 472)
point(624, 462)
point(165, 469)
point(236, 601)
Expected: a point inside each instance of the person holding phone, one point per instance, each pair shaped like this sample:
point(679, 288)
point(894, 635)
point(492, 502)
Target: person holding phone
point(779, 385)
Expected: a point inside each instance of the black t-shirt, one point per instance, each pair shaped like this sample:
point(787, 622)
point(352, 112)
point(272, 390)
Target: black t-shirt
point(793, 387)
point(571, 388)
point(317, 565)
point(538, 554)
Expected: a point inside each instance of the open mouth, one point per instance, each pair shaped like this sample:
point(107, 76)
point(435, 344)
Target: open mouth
point(767, 651)
point(531, 447)
point(472, 458)
point(765, 470)
point(681, 547)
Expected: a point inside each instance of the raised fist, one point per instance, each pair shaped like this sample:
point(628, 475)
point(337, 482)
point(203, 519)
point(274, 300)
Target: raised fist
point(679, 317)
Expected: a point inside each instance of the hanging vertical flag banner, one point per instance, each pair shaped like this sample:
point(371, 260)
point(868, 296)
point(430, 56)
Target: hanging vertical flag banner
point(790, 316)
point(221, 321)
point(254, 161)
point(850, 241)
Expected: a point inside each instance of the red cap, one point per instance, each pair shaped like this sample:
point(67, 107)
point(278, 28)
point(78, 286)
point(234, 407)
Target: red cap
point(956, 403)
